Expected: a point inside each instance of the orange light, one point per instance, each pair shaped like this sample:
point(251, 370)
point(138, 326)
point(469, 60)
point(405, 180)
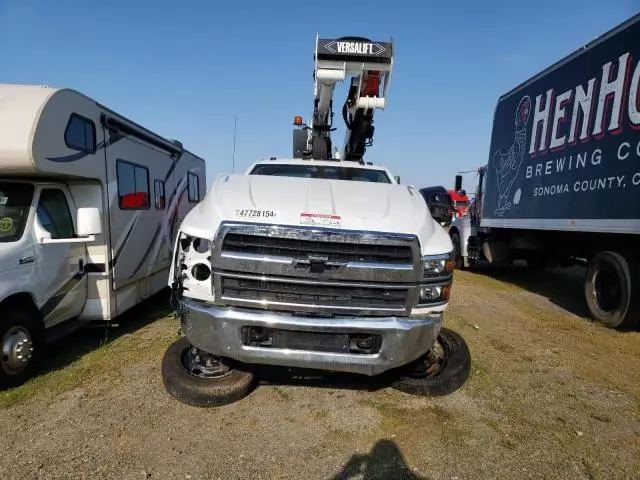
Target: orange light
point(297, 120)
point(449, 266)
point(446, 292)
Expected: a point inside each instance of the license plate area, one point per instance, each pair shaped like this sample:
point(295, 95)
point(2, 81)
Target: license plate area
point(354, 343)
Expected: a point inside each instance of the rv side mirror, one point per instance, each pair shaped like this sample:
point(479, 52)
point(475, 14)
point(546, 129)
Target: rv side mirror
point(89, 222)
point(397, 179)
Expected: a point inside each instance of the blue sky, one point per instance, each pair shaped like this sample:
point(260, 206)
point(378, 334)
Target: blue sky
point(186, 69)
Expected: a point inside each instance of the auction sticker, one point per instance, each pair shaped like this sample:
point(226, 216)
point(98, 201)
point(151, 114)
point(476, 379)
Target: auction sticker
point(320, 219)
point(255, 213)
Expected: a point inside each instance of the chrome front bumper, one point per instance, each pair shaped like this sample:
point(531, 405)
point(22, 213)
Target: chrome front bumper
point(221, 331)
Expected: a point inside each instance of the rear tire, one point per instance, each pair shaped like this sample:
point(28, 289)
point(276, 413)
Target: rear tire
point(200, 390)
point(446, 377)
point(21, 345)
point(612, 288)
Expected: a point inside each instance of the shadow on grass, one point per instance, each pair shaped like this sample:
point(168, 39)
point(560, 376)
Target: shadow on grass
point(384, 461)
point(563, 287)
point(326, 379)
point(283, 376)
point(64, 350)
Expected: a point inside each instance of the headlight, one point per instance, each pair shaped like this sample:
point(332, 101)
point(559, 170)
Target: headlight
point(434, 266)
point(194, 266)
point(430, 294)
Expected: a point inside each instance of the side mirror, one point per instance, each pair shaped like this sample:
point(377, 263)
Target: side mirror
point(89, 222)
point(397, 179)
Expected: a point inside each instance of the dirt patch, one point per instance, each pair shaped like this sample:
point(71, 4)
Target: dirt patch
point(551, 395)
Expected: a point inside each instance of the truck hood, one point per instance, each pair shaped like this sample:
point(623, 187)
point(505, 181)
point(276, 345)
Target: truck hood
point(349, 205)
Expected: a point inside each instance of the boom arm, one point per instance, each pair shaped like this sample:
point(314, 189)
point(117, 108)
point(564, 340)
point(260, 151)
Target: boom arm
point(369, 64)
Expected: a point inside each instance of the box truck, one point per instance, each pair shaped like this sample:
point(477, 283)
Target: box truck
point(562, 181)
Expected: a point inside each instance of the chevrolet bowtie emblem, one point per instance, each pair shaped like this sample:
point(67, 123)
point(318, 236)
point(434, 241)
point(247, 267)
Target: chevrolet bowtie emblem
point(317, 263)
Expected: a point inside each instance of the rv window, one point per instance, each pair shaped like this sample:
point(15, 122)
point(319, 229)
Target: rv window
point(160, 195)
point(133, 186)
point(194, 188)
point(15, 203)
point(80, 134)
point(54, 215)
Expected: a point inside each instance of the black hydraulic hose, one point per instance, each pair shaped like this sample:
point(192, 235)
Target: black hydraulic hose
point(345, 115)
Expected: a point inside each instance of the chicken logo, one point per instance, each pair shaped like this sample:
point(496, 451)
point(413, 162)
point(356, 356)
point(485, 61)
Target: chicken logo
point(507, 164)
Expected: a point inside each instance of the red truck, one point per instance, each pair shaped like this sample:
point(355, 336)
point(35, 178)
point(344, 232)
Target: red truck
point(460, 202)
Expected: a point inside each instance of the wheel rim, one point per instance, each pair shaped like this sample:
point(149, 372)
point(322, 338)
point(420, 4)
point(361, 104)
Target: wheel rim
point(204, 365)
point(17, 350)
point(430, 364)
point(607, 290)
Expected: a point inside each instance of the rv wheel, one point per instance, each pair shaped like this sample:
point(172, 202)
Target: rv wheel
point(441, 371)
point(196, 378)
point(611, 288)
point(21, 345)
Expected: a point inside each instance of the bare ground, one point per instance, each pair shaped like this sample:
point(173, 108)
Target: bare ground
point(551, 395)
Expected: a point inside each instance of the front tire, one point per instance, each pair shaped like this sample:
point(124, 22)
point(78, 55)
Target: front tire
point(21, 346)
point(211, 383)
point(441, 371)
point(611, 290)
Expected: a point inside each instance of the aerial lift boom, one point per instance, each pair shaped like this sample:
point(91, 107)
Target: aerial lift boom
point(369, 64)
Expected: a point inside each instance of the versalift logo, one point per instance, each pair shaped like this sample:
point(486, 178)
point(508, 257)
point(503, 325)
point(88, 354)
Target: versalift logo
point(360, 48)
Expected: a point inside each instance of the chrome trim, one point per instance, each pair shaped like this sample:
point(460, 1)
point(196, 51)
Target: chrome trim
point(276, 265)
point(253, 256)
point(312, 307)
point(398, 286)
point(218, 330)
point(411, 297)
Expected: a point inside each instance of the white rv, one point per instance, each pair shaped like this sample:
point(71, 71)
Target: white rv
point(89, 206)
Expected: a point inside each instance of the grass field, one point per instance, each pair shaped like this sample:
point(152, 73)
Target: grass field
point(551, 394)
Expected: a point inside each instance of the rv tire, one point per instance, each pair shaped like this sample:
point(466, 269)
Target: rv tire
point(233, 382)
point(440, 372)
point(21, 345)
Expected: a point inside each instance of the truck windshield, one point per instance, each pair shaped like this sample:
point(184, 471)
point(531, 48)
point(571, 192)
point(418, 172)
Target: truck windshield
point(323, 171)
point(15, 201)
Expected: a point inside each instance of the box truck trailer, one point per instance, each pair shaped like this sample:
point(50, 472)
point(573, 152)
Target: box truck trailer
point(89, 206)
point(562, 182)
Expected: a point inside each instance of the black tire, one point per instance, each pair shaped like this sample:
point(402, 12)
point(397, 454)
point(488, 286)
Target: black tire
point(460, 262)
point(612, 288)
point(17, 323)
point(201, 391)
point(453, 372)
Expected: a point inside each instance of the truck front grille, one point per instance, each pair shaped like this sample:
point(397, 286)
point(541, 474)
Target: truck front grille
point(311, 296)
point(299, 249)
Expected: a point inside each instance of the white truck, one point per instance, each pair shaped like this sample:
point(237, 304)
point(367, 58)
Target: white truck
point(89, 207)
point(316, 263)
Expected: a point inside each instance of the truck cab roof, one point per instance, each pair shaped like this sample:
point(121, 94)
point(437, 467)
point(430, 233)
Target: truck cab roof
point(328, 169)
